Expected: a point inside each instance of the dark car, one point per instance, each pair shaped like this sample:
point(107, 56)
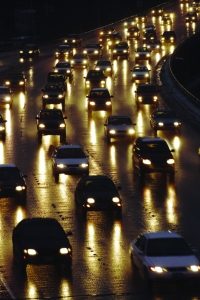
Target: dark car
point(74, 40)
point(79, 60)
point(6, 97)
point(147, 94)
point(53, 94)
point(142, 54)
point(168, 37)
point(97, 192)
point(41, 241)
point(51, 122)
point(120, 126)
point(99, 99)
point(12, 182)
point(120, 50)
point(95, 78)
point(16, 81)
point(58, 79)
point(93, 50)
point(152, 154)
point(64, 51)
point(165, 119)
point(69, 159)
point(133, 32)
point(64, 67)
point(29, 51)
point(2, 128)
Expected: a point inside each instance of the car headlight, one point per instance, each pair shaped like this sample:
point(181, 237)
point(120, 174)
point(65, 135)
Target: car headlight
point(2, 128)
point(21, 83)
point(170, 161)
point(160, 124)
point(96, 52)
point(97, 68)
point(108, 103)
point(62, 125)
point(68, 71)
point(20, 188)
point(84, 165)
point(137, 55)
point(102, 81)
point(85, 51)
point(114, 51)
point(84, 61)
point(21, 51)
point(194, 268)
point(115, 199)
point(108, 69)
point(7, 82)
point(158, 269)
point(46, 96)
point(41, 125)
point(92, 103)
point(64, 251)
point(30, 51)
point(155, 98)
point(140, 98)
point(90, 200)
point(60, 96)
point(176, 124)
point(131, 131)
point(146, 161)
point(146, 75)
point(112, 131)
point(31, 252)
point(7, 98)
point(124, 51)
point(87, 82)
point(60, 166)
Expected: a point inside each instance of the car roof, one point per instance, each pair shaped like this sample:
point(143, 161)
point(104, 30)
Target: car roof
point(36, 221)
point(161, 234)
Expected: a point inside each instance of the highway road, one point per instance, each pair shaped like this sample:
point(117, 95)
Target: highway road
point(101, 263)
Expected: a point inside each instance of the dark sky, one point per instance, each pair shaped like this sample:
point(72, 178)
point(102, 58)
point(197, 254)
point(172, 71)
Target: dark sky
point(54, 17)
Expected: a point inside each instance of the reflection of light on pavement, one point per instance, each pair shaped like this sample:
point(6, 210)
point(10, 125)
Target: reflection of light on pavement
point(109, 83)
point(115, 67)
point(93, 135)
point(93, 264)
point(171, 49)
point(22, 101)
point(32, 291)
point(113, 155)
point(151, 216)
point(69, 89)
point(19, 215)
point(124, 69)
point(2, 154)
point(41, 163)
point(140, 123)
point(171, 205)
point(176, 143)
point(65, 288)
point(116, 236)
point(157, 57)
point(9, 122)
point(30, 73)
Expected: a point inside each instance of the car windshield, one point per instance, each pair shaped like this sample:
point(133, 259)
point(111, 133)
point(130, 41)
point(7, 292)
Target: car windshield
point(70, 153)
point(119, 121)
point(101, 94)
point(7, 173)
point(63, 65)
point(155, 147)
point(102, 184)
point(103, 63)
point(147, 88)
point(140, 68)
point(95, 74)
point(51, 114)
point(165, 114)
point(4, 90)
point(168, 247)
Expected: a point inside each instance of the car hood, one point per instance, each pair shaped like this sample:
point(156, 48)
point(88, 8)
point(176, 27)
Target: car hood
point(172, 261)
point(157, 156)
point(101, 194)
point(118, 127)
point(44, 244)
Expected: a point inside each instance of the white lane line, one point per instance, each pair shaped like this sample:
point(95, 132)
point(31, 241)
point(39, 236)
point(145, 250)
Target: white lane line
point(7, 287)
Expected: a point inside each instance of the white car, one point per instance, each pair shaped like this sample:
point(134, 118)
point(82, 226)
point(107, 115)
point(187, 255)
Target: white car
point(164, 255)
point(69, 159)
point(119, 127)
point(140, 73)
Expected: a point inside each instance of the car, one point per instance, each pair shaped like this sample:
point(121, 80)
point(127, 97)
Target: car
point(2, 128)
point(168, 37)
point(51, 122)
point(142, 54)
point(63, 51)
point(41, 240)
point(6, 97)
point(56, 78)
point(79, 60)
point(95, 78)
point(29, 51)
point(140, 73)
point(149, 35)
point(166, 20)
point(165, 119)
point(104, 65)
point(114, 39)
point(153, 44)
point(104, 35)
point(65, 68)
point(16, 81)
point(133, 32)
point(157, 12)
point(119, 126)
point(120, 50)
point(74, 40)
point(93, 50)
point(191, 17)
point(12, 183)
point(147, 93)
point(53, 94)
point(99, 99)
point(98, 193)
point(152, 155)
point(69, 159)
point(163, 255)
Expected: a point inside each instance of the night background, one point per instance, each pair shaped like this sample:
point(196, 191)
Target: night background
point(54, 18)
